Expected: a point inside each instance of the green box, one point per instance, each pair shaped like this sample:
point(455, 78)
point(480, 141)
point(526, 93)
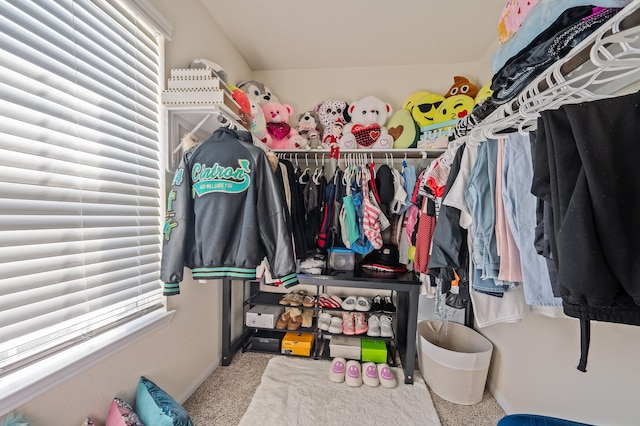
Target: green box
point(373, 350)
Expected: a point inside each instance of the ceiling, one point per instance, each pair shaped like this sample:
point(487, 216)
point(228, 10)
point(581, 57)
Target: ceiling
point(299, 34)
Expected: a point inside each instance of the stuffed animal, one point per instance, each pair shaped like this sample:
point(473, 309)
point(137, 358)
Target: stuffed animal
point(425, 108)
point(310, 128)
point(366, 128)
point(258, 124)
point(333, 116)
point(241, 99)
point(280, 135)
point(462, 86)
point(484, 93)
point(258, 91)
point(453, 108)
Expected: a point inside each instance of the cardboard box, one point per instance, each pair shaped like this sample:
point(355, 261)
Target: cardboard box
point(263, 316)
point(297, 343)
point(374, 350)
point(345, 347)
point(267, 341)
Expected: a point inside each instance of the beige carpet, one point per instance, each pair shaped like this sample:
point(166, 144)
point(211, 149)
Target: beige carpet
point(297, 391)
point(225, 396)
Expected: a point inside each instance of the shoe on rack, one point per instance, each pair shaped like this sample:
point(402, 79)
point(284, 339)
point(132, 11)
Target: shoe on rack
point(376, 306)
point(388, 307)
point(295, 319)
point(286, 299)
point(296, 298)
point(335, 326)
point(338, 368)
point(282, 322)
point(353, 375)
point(360, 325)
point(307, 318)
point(308, 301)
point(349, 304)
point(324, 320)
point(374, 326)
point(386, 330)
point(348, 324)
point(363, 304)
point(325, 301)
point(385, 374)
point(370, 374)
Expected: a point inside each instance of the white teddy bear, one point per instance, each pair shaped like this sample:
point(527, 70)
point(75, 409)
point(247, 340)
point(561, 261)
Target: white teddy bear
point(366, 128)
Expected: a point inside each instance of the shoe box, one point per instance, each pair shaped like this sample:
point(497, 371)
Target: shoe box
point(267, 341)
point(263, 316)
point(344, 347)
point(297, 343)
point(374, 350)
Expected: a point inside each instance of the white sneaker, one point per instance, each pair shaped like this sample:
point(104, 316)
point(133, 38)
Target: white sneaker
point(324, 320)
point(385, 326)
point(374, 326)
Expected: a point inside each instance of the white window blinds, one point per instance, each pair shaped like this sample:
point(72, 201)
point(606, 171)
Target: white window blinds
point(79, 174)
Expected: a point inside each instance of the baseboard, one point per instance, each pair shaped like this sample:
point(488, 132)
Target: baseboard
point(501, 400)
point(200, 380)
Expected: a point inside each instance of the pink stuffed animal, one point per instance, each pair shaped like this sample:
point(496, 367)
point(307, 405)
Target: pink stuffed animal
point(280, 135)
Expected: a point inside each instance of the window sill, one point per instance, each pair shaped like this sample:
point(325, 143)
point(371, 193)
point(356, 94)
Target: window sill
point(22, 386)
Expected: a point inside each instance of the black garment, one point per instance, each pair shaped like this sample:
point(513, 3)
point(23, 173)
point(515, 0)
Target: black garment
point(572, 26)
point(225, 214)
point(297, 211)
point(592, 183)
point(449, 244)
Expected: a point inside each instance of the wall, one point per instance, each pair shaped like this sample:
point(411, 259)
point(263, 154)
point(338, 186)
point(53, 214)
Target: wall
point(304, 89)
point(181, 355)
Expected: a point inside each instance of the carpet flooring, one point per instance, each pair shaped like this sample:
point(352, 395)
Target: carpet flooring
point(297, 392)
point(224, 397)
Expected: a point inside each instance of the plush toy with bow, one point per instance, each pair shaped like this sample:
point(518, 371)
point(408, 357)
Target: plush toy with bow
point(280, 135)
point(367, 127)
point(310, 128)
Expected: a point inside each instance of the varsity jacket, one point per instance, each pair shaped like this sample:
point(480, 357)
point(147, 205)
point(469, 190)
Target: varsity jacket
point(225, 214)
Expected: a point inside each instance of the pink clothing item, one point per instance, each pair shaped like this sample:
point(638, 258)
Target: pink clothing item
point(512, 17)
point(411, 219)
point(510, 267)
point(426, 226)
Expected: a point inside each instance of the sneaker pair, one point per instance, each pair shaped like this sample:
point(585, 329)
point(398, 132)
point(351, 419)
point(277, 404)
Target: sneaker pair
point(354, 323)
point(379, 326)
point(381, 304)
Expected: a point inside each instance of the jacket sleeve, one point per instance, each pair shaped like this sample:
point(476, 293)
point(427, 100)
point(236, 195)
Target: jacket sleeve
point(274, 231)
point(178, 226)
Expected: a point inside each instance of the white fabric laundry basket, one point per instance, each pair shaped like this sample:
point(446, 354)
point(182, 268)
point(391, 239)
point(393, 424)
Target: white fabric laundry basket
point(454, 364)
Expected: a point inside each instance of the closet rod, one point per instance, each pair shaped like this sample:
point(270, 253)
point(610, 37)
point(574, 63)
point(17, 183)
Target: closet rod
point(396, 154)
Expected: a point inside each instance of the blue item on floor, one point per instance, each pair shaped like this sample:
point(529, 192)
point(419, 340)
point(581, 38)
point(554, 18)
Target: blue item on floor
point(535, 420)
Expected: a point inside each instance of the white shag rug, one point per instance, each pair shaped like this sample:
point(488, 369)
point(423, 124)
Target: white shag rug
point(297, 391)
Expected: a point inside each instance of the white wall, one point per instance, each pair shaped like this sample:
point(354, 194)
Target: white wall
point(304, 89)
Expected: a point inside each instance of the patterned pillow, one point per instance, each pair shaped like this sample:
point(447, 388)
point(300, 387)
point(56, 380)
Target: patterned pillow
point(122, 414)
point(157, 408)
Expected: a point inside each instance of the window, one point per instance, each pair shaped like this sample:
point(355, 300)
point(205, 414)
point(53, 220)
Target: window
point(80, 181)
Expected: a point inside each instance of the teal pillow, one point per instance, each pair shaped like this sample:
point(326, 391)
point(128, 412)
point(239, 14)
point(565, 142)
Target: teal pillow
point(157, 408)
